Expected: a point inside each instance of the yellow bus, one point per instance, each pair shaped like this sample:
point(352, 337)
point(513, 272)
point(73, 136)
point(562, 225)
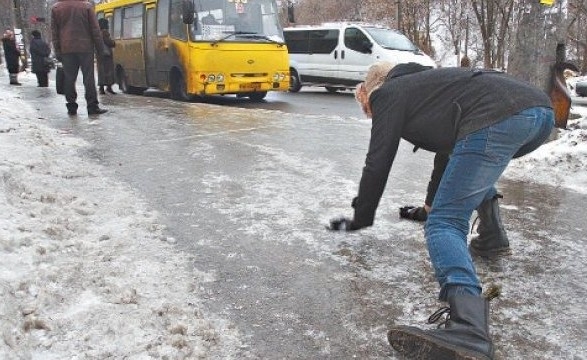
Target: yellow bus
point(194, 48)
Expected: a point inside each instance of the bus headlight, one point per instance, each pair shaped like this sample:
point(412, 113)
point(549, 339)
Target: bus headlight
point(220, 78)
point(211, 78)
point(279, 77)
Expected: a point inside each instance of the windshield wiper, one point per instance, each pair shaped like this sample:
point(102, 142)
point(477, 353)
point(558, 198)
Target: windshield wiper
point(231, 34)
point(261, 37)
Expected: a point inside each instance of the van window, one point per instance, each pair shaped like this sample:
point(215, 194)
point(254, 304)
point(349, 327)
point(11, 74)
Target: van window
point(323, 41)
point(298, 42)
point(355, 39)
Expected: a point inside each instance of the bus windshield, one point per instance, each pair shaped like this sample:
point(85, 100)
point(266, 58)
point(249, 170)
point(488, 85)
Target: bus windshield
point(391, 39)
point(236, 20)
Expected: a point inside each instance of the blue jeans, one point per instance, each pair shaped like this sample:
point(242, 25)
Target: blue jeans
point(476, 163)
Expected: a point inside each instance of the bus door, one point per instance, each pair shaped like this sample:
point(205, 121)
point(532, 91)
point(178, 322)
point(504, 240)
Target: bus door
point(150, 37)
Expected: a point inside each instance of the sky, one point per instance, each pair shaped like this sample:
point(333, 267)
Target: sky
point(86, 271)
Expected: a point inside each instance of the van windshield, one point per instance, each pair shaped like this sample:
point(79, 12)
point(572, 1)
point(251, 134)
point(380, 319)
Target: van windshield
point(391, 39)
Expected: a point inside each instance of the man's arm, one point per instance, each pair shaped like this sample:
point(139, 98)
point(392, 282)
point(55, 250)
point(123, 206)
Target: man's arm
point(385, 137)
point(96, 33)
point(55, 34)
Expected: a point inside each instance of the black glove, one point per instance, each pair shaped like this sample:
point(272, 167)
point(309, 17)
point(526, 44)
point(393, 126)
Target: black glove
point(413, 213)
point(341, 224)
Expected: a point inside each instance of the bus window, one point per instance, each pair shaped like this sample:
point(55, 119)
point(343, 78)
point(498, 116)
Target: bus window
point(176, 25)
point(132, 24)
point(163, 17)
point(117, 24)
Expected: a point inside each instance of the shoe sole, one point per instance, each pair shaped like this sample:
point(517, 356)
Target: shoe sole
point(417, 344)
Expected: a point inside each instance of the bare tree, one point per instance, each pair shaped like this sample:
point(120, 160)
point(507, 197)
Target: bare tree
point(576, 33)
point(454, 18)
point(493, 17)
point(539, 30)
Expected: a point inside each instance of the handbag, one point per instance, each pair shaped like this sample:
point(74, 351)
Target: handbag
point(48, 63)
point(59, 80)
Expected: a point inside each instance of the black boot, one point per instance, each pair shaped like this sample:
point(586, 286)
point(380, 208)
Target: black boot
point(101, 90)
point(71, 108)
point(492, 239)
point(465, 334)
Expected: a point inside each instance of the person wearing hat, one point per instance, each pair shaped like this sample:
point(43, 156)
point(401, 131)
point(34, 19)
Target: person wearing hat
point(40, 52)
point(11, 55)
point(483, 118)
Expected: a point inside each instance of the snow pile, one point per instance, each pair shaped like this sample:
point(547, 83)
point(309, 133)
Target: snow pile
point(561, 162)
point(86, 269)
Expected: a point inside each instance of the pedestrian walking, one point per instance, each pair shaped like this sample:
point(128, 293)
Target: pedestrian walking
point(11, 56)
point(41, 63)
point(483, 118)
point(106, 63)
point(76, 35)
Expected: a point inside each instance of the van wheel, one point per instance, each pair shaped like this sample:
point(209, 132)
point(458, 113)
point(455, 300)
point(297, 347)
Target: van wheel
point(257, 96)
point(125, 87)
point(331, 89)
point(295, 84)
point(178, 88)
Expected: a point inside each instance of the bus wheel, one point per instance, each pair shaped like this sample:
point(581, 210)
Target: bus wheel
point(257, 96)
point(178, 88)
point(295, 84)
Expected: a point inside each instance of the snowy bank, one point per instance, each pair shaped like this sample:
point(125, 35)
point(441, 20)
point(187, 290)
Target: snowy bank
point(561, 162)
point(86, 269)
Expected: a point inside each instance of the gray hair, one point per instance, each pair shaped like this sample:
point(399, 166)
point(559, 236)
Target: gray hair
point(376, 76)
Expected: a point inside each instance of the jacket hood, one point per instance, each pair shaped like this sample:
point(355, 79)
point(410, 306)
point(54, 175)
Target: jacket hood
point(406, 69)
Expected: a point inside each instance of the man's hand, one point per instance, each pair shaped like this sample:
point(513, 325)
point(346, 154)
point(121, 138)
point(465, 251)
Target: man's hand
point(341, 224)
point(413, 213)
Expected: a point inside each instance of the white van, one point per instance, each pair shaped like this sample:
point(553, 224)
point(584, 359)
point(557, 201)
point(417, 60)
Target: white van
point(338, 55)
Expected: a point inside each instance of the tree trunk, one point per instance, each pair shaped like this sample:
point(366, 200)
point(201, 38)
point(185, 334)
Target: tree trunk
point(534, 49)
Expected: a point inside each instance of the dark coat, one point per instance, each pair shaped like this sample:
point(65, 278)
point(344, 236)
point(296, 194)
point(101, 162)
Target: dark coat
point(432, 109)
point(39, 50)
point(11, 55)
point(106, 63)
point(75, 29)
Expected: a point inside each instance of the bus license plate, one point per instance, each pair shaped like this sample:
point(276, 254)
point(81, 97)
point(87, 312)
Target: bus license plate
point(251, 86)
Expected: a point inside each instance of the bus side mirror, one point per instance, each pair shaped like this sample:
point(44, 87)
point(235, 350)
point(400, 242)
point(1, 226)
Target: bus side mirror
point(188, 12)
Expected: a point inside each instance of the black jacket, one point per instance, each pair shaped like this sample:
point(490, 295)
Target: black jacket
point(11, 55)
point(432, 109)
point(39, 50)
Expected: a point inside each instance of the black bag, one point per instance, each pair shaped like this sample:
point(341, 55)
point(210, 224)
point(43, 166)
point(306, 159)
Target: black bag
point(48, 63)
point(59, 80)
